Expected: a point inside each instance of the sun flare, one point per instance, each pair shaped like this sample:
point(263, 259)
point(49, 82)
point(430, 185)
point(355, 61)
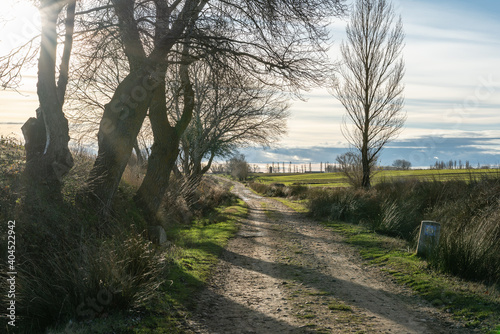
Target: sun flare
point(19, 22)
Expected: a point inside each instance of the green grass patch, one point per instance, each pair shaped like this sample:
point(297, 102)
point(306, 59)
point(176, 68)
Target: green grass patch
point(198, 247)
point(338, 306)
point(320, 179)
point(297, 205)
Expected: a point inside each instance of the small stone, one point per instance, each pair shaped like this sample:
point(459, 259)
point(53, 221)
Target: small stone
point(157, 234)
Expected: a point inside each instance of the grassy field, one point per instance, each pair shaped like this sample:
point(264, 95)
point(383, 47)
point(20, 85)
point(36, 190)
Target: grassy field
point(338, 179)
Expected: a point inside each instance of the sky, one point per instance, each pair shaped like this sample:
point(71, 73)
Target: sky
point(452, 89)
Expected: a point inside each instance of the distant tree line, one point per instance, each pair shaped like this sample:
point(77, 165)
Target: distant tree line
point(401, 164)
point(451, 164)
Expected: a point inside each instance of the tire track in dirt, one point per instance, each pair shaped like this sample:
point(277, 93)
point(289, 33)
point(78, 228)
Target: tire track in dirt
point(284, 273)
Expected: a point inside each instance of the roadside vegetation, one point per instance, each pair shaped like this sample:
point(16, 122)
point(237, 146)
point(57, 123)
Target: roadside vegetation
point(75, 275)
point(462, 277)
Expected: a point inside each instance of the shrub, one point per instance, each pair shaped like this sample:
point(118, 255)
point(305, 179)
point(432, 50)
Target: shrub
point(64, 280)
point(259, 187)
point(183, 201)
point(208, 195)
point(271, 190)
point(297, 191)
point(471, 249)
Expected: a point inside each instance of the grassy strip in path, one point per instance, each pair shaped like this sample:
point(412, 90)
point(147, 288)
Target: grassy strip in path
point(478, 306)
point(194, 252)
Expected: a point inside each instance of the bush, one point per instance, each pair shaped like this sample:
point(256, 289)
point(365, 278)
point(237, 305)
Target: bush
point(471, 250)
point(86, 279)
point(183, 202)
point(469, 246)
point(259, 187)
point(271, 190)
point(297, 191)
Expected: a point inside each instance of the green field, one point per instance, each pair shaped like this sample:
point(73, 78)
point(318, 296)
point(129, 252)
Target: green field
point(338, 179)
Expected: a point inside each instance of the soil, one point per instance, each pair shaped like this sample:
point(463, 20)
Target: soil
point(285, 273)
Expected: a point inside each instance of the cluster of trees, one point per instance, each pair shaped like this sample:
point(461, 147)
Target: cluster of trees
point(401, 164)
point(201, 76)
point(452, 164)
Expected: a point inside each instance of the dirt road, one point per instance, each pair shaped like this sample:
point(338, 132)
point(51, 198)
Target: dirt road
point(284, 273)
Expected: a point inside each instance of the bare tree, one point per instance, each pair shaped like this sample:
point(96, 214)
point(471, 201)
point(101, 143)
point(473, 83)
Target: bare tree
point(371, 88)
point(230, 111)
point(238, 167)
point(146, 44)
point(46, 136)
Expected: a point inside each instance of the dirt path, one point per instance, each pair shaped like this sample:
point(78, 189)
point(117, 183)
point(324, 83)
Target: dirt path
point(286, 274)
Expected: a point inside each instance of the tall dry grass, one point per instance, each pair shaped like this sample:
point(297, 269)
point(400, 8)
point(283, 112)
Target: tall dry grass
point(70, 265)
point(469, 212)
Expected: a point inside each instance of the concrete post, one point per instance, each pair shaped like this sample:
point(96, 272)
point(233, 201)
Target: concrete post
point(428, 237)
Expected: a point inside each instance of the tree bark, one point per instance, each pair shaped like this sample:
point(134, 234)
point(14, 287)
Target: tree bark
point(366, 165)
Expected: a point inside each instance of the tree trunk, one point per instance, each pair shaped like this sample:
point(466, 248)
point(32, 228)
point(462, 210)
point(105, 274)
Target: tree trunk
point(164, 153)
point(366, 182)
point(120, 124)
point(138, 153)
point(160, 165)
point(165, 149)
point(48, 157)
point(366, 165)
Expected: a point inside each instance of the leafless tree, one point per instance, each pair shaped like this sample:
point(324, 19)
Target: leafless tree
point(231, 111)
point(370, 87)
point(46, 136)
point(238, 167)
point(148, 31)
point(275, 42)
